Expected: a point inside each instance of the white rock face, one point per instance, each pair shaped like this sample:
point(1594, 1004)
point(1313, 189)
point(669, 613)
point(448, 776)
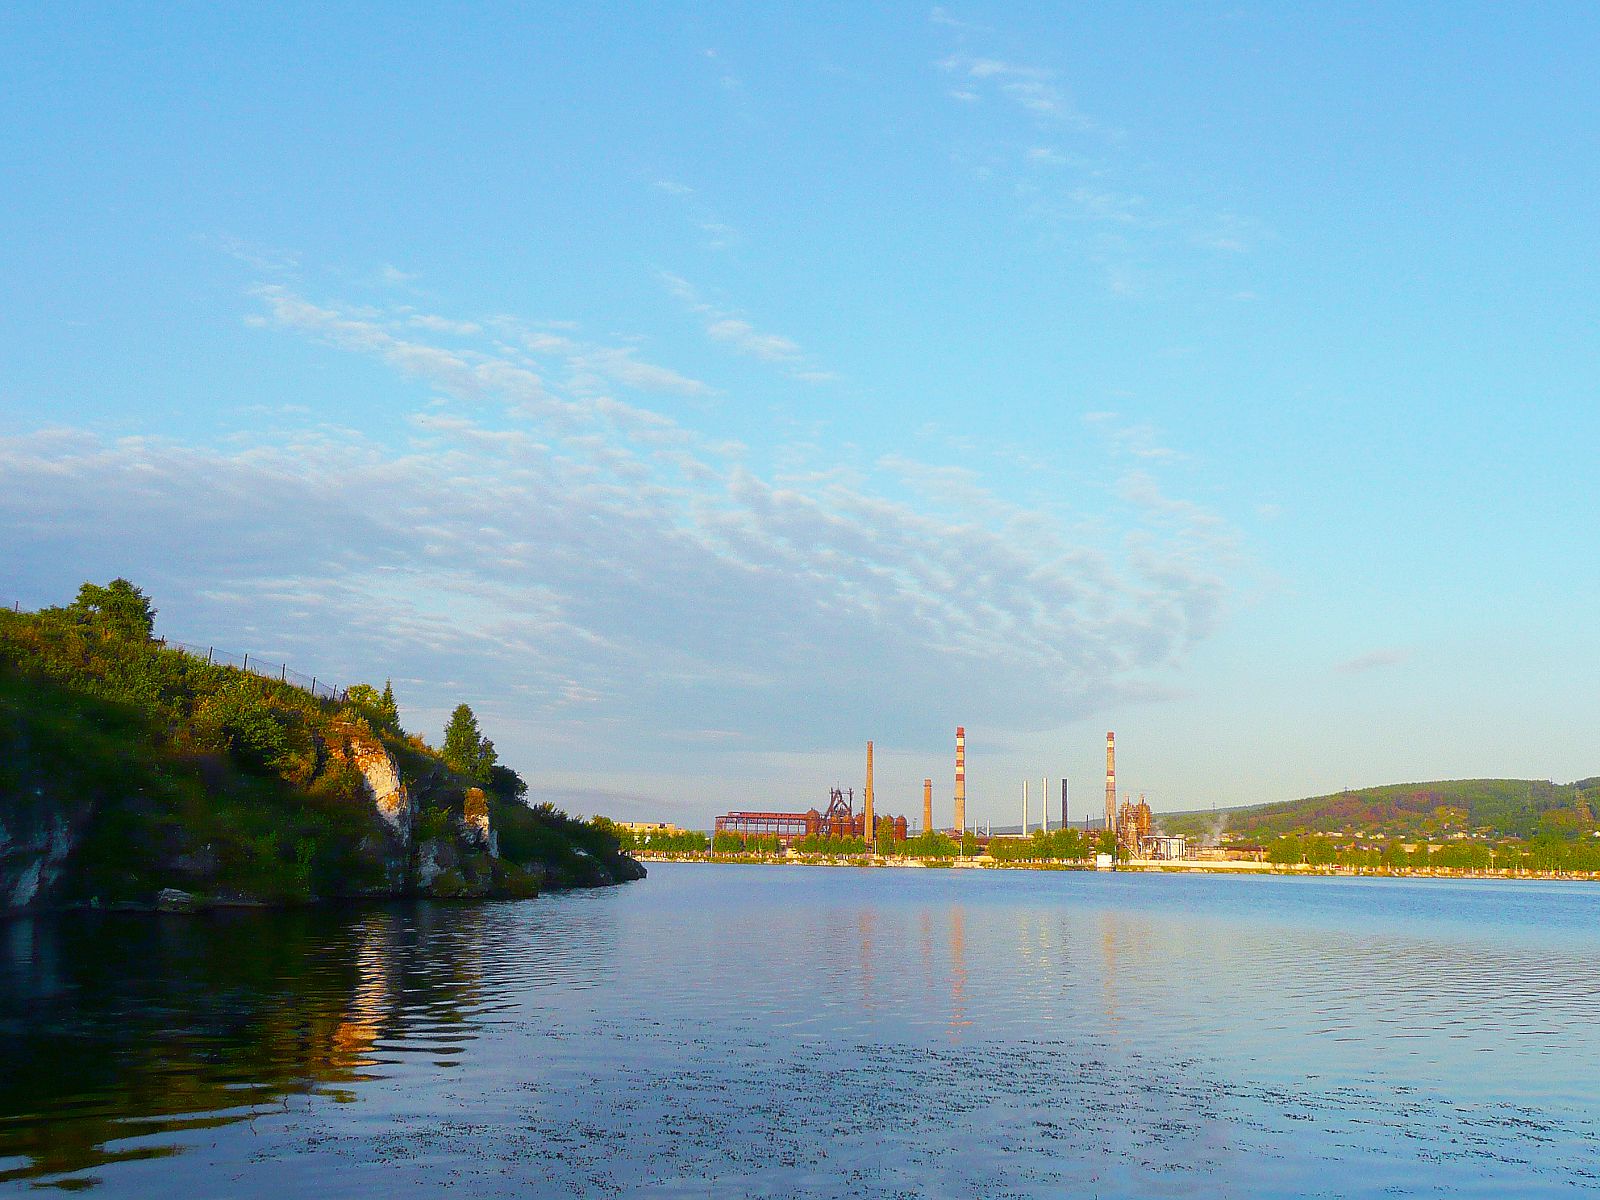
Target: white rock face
point(476, 822)
point(429, 865)
point(382, 779)
point(31, 861)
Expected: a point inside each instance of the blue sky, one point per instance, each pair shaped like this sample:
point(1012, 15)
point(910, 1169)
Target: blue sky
point(701, 390)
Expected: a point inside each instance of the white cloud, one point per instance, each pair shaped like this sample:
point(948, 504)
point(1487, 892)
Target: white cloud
point(597, 569)
point(770, 346)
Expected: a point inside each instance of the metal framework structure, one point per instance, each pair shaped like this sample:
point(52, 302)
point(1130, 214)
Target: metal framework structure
point(840, 820)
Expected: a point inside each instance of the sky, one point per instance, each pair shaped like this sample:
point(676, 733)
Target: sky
point(699, 390)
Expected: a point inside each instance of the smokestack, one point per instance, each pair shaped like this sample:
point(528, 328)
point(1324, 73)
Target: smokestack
point(961, 780)
point(1063, 804)
point(1044, 805)
point(1111, 781)
point(1024, 808)
point(866, 800)
point(927, 806)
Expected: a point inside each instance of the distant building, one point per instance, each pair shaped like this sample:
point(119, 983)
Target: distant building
point(647, 827)
point(1166, 849)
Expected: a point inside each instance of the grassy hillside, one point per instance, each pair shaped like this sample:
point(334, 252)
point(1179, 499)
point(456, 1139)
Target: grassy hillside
point(1490, 808)
point(159, 769)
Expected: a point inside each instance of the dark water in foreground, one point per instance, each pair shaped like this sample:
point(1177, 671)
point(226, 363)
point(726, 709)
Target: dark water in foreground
point(722, 1031)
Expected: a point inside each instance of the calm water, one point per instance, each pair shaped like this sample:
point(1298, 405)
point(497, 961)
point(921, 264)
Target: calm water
point(725, 1031)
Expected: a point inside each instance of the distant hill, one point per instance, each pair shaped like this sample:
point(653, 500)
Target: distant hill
point(1495, 808)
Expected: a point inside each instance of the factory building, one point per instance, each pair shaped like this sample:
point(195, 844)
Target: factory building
point(840, 820)
point(1133, 828)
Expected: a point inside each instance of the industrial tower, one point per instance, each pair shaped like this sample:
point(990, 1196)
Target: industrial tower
point(866, 803)
point(1111, 781)
point(961, 780)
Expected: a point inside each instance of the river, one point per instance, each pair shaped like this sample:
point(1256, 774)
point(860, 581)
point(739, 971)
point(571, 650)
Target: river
point(796, 1031)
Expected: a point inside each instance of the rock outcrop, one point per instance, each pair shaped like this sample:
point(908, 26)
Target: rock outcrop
point(380, 774)
point(37, 836)
point(475, 823)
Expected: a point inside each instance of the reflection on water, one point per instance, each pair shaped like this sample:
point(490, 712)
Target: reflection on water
point(117, 1029)
point(732, 1031)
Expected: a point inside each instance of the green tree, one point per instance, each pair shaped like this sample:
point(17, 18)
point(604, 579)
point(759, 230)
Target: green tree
point(466, 749)
point(119, 608)
point(1319, 851)
point(506, 783)
point(388, 710)
point(1285, 851)
point(377, 707)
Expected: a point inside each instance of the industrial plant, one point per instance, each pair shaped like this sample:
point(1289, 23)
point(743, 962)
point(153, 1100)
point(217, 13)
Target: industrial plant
point(1131, 823)
point(839, 820)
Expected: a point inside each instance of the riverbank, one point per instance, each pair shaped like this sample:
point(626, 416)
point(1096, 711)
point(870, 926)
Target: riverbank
point(1169, 867)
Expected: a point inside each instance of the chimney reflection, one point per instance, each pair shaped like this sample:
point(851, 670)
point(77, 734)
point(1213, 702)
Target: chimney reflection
point(958, 971)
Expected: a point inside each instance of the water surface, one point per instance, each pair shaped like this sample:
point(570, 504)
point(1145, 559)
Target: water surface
point(725, 1031)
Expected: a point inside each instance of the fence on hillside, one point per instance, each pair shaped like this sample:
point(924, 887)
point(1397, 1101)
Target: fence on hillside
point(323, 689)
point(256, 665)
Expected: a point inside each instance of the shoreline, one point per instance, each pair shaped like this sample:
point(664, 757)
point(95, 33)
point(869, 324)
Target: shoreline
point(1169, 867)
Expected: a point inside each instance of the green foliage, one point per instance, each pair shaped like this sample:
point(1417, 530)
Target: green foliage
point(466, 749)
point(931, 844)
point(816, 843)
point(506, 783)
point(681, 841)
point(431, 823)
point(388, 710)
point(376, 708)
point(202, 776)
point(238, 718)
point(1055, 845)
point(119, 609)
point(728, 842)
point(574, 852)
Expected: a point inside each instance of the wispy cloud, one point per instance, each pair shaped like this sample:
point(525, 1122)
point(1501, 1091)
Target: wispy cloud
point(436, 324)
point(941, 16)
point(735, 330)
point(1078, 176)
point(1390, 656)
point(1033, 89)
point(720, 233)
point(1139, 439)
